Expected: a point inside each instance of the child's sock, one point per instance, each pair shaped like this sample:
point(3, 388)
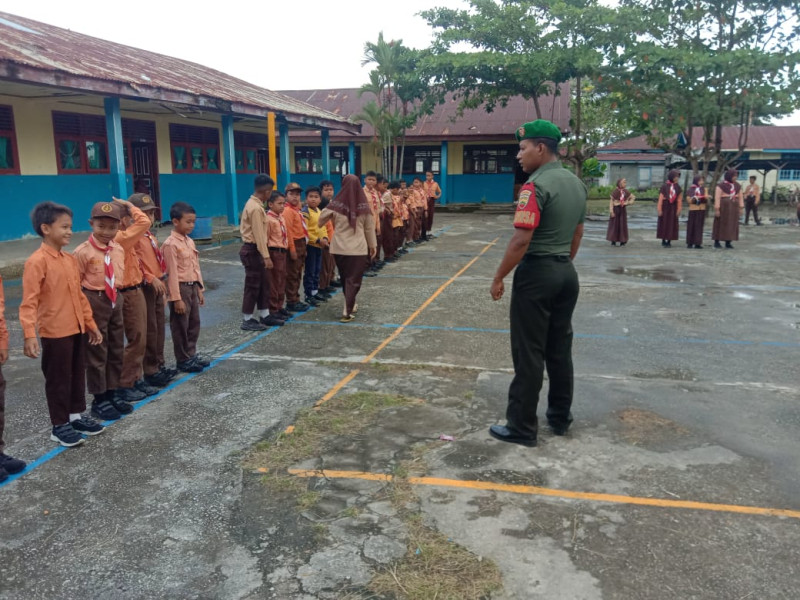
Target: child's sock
point(74, 417)
point(247, 317)
point(264, 313)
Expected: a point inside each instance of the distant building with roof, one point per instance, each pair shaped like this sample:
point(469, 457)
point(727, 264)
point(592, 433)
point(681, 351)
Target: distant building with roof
point(772, 154)
point(472, 156)
point(82, 119)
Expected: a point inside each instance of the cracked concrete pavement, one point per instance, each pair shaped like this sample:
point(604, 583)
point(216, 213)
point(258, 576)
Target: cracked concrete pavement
point(686, 389)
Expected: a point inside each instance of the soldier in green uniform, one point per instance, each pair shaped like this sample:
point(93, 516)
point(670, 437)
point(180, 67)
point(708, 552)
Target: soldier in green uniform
point(548, 227)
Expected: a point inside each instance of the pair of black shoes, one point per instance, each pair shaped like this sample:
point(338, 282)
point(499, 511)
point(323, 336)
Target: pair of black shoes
point(666, 243)
point(10, 466)
point(110, 407)
point(512, 436)
point(695, 246)
point(296, 307)
point(194, 364)
point(728, 245)
point(160, 378)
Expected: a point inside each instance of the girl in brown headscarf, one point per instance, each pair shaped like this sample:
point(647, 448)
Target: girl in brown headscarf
point(618, 208)
point(669, 209)
point(728, 205)
point(696, 197)
point(354, 243)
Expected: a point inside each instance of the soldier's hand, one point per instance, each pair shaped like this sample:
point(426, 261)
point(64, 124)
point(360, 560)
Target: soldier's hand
point(497, 289)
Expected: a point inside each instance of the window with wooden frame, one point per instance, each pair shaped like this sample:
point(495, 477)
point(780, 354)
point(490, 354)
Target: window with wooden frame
point(81, 143)
point(9, 160)
point(418, 159)
point(250, 152)
point(194, 149)
point(489, 159)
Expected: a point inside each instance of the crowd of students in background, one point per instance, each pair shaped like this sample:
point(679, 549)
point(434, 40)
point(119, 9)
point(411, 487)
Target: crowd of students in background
point(97, 317)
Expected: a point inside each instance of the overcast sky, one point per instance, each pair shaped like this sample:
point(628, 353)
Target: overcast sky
point(277, 44)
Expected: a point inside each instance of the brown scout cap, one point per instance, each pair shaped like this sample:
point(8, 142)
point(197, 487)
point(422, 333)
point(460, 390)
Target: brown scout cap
point(293, 186)
point(105, 209)
point(142, 201)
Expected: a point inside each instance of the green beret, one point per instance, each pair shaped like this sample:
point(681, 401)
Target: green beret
point(538, 129)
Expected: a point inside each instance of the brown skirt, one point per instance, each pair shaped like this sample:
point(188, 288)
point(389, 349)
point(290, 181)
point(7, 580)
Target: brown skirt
point(668, 221)
point(351, 271)
point(694, 227)
point(726, 225)
point(618, 225)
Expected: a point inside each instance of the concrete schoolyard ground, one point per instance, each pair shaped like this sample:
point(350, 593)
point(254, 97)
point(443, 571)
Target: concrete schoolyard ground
point(308, 461)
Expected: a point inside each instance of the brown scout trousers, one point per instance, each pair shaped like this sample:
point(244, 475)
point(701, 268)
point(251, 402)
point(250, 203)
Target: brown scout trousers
point(156, 331)
point(185, 328)
point(431, 208)
point(64, 368)
point(256, 280)
point(294, 271)
point(277, 279)
point(2, 408)
point(104, 361)
point(328, 269)
point(387, 238)
point(134, 316)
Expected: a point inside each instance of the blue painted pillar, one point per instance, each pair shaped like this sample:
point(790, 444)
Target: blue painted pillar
point(443, 174)
point(284, 176)
point(116, 148)
point(230, 169)
point(351, 158)
point(326, 154)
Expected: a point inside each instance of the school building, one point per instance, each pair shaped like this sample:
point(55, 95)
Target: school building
point(472, 156)
point(772, 154)
point(82, 119)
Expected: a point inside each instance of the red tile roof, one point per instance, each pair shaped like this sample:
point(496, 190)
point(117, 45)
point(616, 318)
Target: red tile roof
point(444, 123)
point(34, 52)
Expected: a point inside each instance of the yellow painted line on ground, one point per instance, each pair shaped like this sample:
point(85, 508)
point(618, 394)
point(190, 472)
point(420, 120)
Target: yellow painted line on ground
point(391, 337)
point(553, 493)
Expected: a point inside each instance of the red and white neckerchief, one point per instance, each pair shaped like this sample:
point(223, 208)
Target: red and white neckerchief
point(673, 193)
point(302, 220)
point(159, 256)
point(282, 223)
point(111, 289)
point(731, 191)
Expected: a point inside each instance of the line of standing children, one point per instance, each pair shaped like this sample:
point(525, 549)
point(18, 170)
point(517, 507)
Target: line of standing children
point(83, 306)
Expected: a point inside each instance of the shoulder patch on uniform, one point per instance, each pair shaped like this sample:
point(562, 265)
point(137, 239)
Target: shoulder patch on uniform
point(524, 196)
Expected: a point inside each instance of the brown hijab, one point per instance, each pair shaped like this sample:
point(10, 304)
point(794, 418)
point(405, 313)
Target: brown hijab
point(351, 200)
point(670, 190)
point(729, 186)
point(620, 193)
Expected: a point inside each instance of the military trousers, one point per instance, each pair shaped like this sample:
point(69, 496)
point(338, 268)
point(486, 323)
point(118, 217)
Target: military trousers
point(543, 298)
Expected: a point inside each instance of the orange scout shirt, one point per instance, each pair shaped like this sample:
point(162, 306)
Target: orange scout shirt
point(91, 264)
point(294, 222)
point(277, 232)
point(52, 297)
point(3, 328)
point(374, 201)
point(253, 226)
point(183, 263)
point(127, 239)
point(151, 267)
point(430, 188)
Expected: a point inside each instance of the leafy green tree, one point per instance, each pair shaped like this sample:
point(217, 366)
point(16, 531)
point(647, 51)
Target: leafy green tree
point(685, 69)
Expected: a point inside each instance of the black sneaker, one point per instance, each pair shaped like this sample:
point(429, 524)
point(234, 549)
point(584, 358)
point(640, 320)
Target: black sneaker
point(284, 314)
point(312, 301)
point(105, 411)
point(202, 360)
point(190, 366)
point(87, 426)
point(336, 283)
point(325, 297)
point(371, 274)
point(130, 394)
point(66, 436)
point(157, 380)
point(272, 321)
point(11, 465)
point(167, 372)
point(252, 325)
point(123, 408)
point(142, 386)
point(297, 306)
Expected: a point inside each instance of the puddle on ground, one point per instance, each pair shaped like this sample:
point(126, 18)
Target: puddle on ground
point(651, 274)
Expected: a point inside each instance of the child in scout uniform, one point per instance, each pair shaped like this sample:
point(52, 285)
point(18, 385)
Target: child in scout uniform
point(8, 464)
point(133, 224)
point(433, 192)
point(254, 255)
point(296, 227)
point(397, 217)
point(184, 288)
point(154, 289)
point(327, 273)
point(373, 200)
point(317, 240)
point(101, 264)
point(280, 244)
point(54, 307)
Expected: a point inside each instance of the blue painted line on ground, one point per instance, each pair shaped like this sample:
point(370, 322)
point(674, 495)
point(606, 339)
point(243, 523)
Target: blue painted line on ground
point(587, 336)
